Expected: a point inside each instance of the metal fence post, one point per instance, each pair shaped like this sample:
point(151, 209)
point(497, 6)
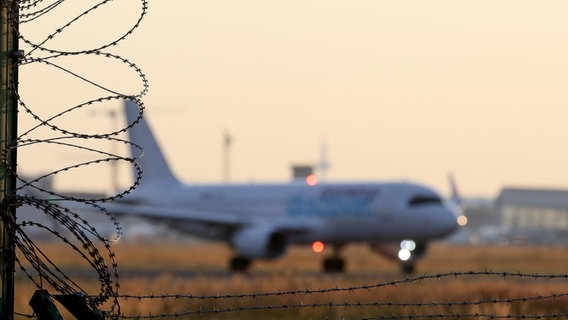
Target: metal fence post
point(9, 53)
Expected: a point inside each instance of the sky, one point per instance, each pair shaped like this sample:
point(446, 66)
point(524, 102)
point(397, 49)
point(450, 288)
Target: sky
point(397, 90)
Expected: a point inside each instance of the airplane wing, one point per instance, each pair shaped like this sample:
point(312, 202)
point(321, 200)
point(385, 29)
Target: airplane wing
point(167, 213)
point(171, 216)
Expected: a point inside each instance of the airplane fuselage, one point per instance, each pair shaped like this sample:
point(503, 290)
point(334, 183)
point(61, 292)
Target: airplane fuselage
point(338, 212)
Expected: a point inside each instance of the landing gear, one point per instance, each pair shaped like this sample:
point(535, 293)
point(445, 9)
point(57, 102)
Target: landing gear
point(333, 264)
point(239, 264)
point(408, 268)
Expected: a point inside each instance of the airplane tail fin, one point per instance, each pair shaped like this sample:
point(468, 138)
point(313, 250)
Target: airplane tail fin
point(155, 169)
point(456, 198)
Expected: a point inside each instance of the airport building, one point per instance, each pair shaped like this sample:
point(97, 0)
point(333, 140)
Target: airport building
point(533, 216)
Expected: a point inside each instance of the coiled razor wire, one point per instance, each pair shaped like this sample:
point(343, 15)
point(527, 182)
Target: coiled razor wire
point(80, 235)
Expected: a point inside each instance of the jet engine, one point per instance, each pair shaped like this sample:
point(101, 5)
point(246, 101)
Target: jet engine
point(259, 243)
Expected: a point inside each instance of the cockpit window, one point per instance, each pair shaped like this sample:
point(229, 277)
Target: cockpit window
point(424, 200)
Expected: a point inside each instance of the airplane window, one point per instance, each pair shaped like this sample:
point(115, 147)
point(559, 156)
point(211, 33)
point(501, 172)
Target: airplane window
point(422, 200)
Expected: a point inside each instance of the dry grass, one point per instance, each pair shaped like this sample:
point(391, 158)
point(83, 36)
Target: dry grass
point(299, 270)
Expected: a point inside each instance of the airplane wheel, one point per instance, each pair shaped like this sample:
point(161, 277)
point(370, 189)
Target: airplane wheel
point(408, 268)
point(333, 264)
point(239, 264)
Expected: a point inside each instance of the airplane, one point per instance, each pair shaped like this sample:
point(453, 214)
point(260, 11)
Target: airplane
point(261, 220)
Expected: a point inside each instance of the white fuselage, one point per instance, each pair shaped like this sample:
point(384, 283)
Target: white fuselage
point(338, 212)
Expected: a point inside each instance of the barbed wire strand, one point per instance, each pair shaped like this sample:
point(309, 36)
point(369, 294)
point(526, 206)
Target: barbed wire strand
point(375, 304)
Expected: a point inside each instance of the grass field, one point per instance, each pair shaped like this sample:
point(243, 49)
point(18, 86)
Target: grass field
point(157, 269)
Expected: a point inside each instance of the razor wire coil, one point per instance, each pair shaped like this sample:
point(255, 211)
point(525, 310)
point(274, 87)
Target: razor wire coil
point(80, 236)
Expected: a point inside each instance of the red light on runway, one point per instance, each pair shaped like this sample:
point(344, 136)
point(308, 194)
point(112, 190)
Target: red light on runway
point(318, 246)
point(312, 180)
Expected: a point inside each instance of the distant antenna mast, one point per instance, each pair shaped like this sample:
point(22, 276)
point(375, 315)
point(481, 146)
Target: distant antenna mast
point(227, 141)
point(323, 164)
point(113, 115)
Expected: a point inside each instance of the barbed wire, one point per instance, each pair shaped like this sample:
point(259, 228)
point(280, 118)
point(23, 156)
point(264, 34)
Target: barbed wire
point(394, 283)
point(384, 308)
point(389, 309)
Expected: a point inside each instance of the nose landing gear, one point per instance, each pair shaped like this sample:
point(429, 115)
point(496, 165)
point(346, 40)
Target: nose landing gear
point(408, 268)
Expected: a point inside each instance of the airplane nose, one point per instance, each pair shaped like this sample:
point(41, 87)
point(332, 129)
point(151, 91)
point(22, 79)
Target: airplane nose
point(442, 222)
point(449, 223)
point(446, 223)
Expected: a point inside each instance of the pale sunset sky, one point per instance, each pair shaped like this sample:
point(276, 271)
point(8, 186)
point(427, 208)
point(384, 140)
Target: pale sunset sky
point(409, 90)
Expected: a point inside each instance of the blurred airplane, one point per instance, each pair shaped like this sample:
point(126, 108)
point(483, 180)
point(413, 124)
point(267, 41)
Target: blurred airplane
point(260, 221)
